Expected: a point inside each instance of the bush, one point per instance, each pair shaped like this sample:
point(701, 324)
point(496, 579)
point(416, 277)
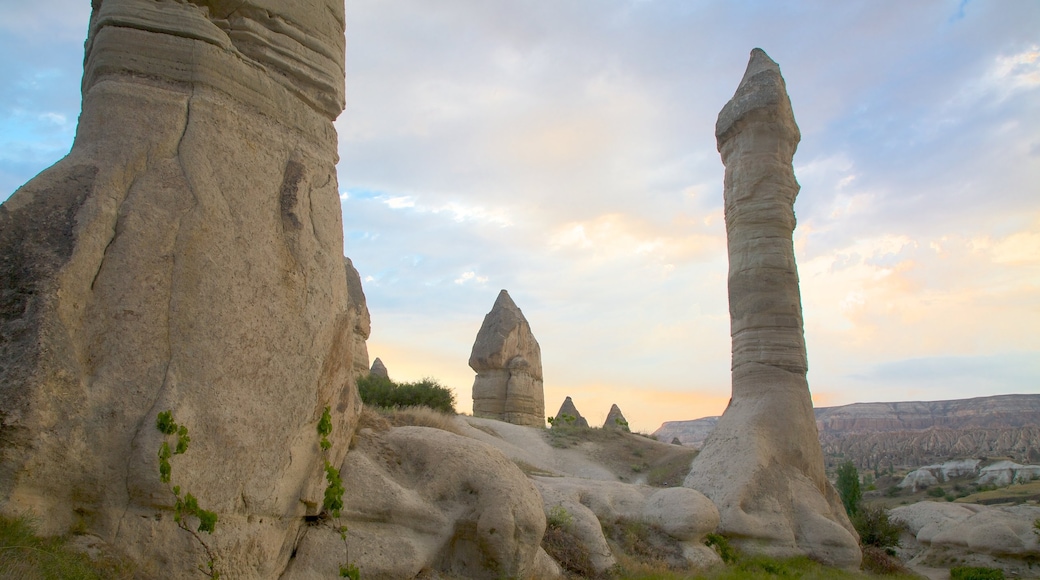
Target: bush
point(720, 544)
point(848, 487)
point(378, 391)
point(879, 561)
point(936, 491)
point(975, 573)
point(875, 529)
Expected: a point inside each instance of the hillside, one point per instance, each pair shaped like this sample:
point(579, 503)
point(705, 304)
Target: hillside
point(902, 434)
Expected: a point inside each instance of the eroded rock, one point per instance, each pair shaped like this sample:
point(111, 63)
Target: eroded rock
point(615, 419)
point(360, 320)
point(185, 255)
point(762, 465)
point(424, 499)
point(569, 415)
point(508, 363)
point(379, 369)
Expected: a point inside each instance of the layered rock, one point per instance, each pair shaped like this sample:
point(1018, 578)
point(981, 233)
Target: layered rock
point(445, 503)
point(762, 466)
point(569, 415)
point(508, 363)
point(379, 369)
point(187, 256)
point(360, 319)
point(615, 419)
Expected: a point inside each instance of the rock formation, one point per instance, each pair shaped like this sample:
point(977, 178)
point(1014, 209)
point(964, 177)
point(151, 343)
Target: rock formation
point(508, 363)
point(424, 500)
point(763, 466)
point(379, 369)
point(361, 320)
point(615, 420)
point(1000, 537)
point(567, 409)
point(187, 256)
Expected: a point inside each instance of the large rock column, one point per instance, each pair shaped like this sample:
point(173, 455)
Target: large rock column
point(185, 255)
point(508, 363)
point(762, 465)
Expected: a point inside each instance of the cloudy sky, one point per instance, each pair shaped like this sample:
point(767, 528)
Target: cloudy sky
point(565, 151)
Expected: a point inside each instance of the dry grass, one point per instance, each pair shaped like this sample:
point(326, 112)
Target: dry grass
point(632, 457)
point(568, 551)
point(421, 417)
point(27, 556)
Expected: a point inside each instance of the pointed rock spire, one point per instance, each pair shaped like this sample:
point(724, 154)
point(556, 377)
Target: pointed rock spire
point(615, 419)
point(379, 369)
point(508, 363)
point(763, 465)
point(569, 415)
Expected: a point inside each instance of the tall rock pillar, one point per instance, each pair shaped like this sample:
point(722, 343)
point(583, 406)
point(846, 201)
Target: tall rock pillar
point(187, 255)
point(508, 363)
point(763, 465)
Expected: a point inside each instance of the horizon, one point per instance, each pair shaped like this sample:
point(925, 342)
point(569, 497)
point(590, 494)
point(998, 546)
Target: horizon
point(566, 153)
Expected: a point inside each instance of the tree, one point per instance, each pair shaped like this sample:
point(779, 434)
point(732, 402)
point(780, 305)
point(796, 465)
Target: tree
point(848, 487)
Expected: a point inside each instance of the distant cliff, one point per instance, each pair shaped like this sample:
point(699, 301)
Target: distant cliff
point(877, 435)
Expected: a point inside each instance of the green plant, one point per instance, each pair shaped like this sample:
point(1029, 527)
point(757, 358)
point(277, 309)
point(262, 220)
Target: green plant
point(23, 554)
point(720, 544)
point(848, 487)
point(347, 570)
point(332, 503)
point(559, 517)
point(936, 491)
point(377, 391)
point(975, 573)
point(875, 529)
point(187, 506)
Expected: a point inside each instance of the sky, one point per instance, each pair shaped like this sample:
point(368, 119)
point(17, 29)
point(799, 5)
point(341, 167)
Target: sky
point(565, 151)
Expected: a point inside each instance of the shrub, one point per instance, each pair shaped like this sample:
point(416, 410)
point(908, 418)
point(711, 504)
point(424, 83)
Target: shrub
point(379, 391)
point(936, 491)
point(720, 544)
point(879, 561)
point(559, 517)
point(975, 573)
point(875, 529)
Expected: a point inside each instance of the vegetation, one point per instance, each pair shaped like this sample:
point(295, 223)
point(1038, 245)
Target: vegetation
point(720, 544)
point(975, 573)
point(377, 391)
point(23, 554)
point(563, 545)
point(848, 487)
point(187, 506)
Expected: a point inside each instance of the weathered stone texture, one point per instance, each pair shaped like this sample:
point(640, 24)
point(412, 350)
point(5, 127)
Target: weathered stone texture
point(185, 255)
point(360, 319)
point(568, 409)
point(763, 465)
point(616, 419)
point(379, 369)
point(508, 362)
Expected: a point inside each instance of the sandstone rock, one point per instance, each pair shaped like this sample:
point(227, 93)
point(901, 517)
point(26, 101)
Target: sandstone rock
point(567, 409)
point(1004, 473)
point(1002, 531)
point(185, 255)
point(357, 309)
point(615, 420)
point(508, 362)
point(918, 479)
point(379, 369)
point(762, 466)
point(684, 514)
point(423, 499)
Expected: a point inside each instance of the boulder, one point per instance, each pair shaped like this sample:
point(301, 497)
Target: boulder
point(508, 363)
point(379, 369)
point(186, 255)
point(422, 500)
point(919, 479)
point(615, 420)
point(1004, 473)
point(567, 410)
point(1004, 534)
point(762, 465)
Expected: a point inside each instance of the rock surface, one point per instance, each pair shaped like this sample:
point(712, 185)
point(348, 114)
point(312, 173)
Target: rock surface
point(379, 369)
point(995, 536)
point(360, 319)
point(508, 363)
point(763, 466)
point(425, 500)
point(185, 255)
point(615, 419)
point(568, 409)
